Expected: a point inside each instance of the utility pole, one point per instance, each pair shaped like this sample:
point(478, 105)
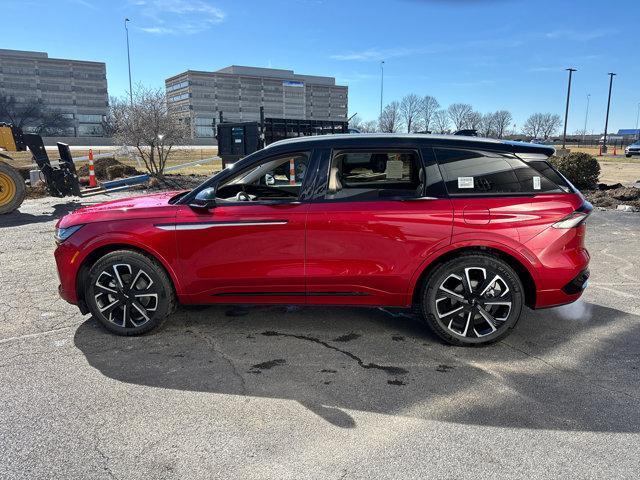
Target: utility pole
point(128, 60)
point(606, 122)
point(566, 111)
point(586, 117)
point(381, 84)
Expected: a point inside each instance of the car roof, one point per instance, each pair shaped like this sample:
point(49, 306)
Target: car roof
point(368, 140)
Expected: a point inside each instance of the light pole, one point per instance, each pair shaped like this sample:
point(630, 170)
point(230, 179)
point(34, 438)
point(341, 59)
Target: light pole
point(606, 121)
point(128, 60)
point(586, 117)
point(381, 84)
point(638, 118)
point(566, 111)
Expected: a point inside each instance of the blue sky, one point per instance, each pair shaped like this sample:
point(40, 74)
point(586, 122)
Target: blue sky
point(494, 54)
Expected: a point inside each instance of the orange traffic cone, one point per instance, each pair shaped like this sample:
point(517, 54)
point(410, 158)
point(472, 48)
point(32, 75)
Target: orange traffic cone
point(614, 150)
point(92, 171)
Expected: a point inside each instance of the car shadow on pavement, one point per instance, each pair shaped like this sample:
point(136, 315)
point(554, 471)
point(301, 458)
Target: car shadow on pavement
point(17, 218)
point(553, 372)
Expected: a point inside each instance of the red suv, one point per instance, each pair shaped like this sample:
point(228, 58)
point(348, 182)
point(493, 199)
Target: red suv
point(464, 230)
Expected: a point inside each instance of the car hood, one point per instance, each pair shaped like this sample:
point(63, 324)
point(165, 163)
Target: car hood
point(146, 206)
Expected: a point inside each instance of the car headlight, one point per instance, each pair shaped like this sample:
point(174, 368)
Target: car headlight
point(63, 233)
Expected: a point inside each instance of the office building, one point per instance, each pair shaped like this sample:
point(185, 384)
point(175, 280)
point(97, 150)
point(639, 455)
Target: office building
point(239, 92)
point(75, 88)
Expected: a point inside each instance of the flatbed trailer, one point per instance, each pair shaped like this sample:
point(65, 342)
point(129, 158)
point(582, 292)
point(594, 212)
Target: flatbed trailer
point(239, 139)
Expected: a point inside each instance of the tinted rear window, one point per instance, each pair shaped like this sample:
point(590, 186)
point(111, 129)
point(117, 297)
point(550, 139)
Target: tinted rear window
point(473, 172)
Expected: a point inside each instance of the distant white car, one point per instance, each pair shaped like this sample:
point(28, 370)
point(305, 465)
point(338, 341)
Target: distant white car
point(633, 149)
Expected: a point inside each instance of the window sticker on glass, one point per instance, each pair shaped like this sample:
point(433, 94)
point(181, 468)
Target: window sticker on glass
point(465, 182)
point(536, 183)
point(394, 169)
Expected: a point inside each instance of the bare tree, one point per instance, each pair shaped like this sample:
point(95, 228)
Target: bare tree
point(459, 114)
point(474, 121)
point(488, 125)
point(441, 121)
point(32, 114)
point(429, 107)
point(501, 119)
point(370, 126)
point(390, 120)
point(534, 125)
point(147, 125)
point(355, 122)
point(550, 124)
point(108, 121)
point(410, 112)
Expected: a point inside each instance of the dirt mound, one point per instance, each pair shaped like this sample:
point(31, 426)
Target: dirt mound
point(612, 197)
point(108, 168)
point(39, 190)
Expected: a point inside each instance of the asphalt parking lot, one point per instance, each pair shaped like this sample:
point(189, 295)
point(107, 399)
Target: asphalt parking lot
point(276, 392)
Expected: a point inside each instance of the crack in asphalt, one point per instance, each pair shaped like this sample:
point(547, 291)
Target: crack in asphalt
point(388, 369)
point(220, 353)
point(106, 460)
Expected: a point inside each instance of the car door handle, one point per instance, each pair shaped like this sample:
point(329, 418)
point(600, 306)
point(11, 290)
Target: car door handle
point(416, 199)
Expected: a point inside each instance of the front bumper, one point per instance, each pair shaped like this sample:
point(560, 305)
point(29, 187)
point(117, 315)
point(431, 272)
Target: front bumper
point(68, 263)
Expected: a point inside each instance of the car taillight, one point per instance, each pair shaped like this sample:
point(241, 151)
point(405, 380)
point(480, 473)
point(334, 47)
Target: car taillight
point(572, 220)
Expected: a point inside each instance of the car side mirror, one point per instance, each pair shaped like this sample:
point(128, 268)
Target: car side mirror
point(205, 199)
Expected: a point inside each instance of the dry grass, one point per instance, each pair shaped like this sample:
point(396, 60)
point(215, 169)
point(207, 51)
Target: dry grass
point(178, 157)
point(619, 172)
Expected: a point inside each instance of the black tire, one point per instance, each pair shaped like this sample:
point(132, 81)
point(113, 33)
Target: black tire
point(453, 311)
point(12, 181)
point(123, 308)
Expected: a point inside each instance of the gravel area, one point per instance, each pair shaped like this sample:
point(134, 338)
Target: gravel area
point(290, 393)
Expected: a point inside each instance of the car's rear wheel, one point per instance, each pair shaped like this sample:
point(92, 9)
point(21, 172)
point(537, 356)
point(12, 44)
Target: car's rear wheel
point(129, 293)
point(475, 299)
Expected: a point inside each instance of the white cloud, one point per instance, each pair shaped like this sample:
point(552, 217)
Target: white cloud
point(161, 17)
point(379, 54)
point(578, 36)
point(84, 3)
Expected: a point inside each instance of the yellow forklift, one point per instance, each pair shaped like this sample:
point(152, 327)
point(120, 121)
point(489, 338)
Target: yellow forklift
point(61, 181)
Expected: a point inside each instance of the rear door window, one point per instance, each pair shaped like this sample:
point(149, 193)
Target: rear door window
point(474, 172)
point(375, 175)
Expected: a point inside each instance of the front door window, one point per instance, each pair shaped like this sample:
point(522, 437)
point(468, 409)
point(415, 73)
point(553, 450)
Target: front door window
point(276, 179)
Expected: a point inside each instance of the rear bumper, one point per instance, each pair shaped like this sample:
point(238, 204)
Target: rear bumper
point(578, 284)
point(563, 266)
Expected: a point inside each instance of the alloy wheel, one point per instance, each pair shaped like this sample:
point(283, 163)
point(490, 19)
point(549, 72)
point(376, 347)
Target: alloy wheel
point(473, 302)
point(126, 296)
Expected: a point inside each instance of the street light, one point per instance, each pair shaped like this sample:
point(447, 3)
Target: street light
point(586, 117)
point(381, 84)
point(128, 60)
point(606, 122)
point(566, 111)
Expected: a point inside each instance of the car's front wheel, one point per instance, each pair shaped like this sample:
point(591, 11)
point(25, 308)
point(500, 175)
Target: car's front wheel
point(128, 292)
point(475, 299)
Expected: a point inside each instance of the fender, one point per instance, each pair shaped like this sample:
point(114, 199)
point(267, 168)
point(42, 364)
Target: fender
point(497, 242)
point(124, 240)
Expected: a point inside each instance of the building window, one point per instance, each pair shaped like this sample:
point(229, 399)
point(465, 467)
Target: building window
point(203, 131)
point(86, 118)
point(177, 98)
point(177, 86)
point(90, 130)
